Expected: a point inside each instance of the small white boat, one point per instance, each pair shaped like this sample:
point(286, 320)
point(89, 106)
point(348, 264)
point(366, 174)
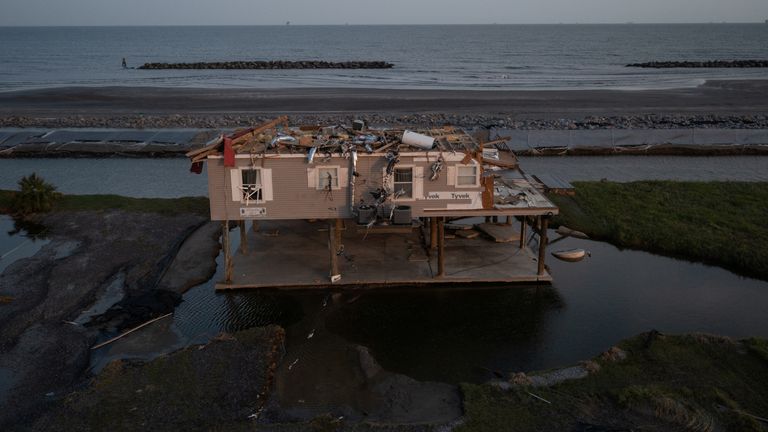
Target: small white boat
point(570, 255)
point(567, 232)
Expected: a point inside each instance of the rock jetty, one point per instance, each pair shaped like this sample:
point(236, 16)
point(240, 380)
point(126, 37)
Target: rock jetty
point(279, 64)
point(702, 64)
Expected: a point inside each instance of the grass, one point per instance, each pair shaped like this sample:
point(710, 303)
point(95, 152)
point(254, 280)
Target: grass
point(721, 223)
point(691, 382)
point(164, 206)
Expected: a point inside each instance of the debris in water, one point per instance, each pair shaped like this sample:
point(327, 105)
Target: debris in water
point(290, 366)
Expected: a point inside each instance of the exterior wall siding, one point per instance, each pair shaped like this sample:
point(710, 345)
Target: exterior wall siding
point(294, 196)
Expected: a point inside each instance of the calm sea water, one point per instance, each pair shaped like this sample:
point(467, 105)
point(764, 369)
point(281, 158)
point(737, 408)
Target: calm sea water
point(441, 56)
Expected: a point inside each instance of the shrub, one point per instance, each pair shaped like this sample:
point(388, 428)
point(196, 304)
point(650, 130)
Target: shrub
point(35, 195)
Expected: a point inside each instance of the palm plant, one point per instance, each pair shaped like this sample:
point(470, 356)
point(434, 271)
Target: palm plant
point(35, 195)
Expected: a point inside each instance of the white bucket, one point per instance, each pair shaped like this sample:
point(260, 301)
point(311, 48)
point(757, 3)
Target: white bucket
point(418, 140)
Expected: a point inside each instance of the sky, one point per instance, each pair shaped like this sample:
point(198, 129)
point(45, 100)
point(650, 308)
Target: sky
point(261, 12)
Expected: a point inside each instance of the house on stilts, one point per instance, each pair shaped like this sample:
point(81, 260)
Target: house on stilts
point(367, 207)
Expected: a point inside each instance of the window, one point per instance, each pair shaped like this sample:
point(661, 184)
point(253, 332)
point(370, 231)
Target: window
point(403, 183)
point(327, 178)
point(251, 185)
point(466, 175)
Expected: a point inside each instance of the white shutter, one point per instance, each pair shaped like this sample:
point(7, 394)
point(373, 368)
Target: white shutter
point(450, 174)
point(312, 178)
point(266, 184)
point(343, 177)
point(418, 182)
point(236, 180)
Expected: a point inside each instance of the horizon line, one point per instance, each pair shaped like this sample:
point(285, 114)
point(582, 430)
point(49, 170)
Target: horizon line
point(291, 24)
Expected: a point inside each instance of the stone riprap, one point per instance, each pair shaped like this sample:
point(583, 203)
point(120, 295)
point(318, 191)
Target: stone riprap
point(702, 64)
point(274, 64)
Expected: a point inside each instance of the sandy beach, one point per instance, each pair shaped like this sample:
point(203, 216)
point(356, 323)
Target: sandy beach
point(744, 97)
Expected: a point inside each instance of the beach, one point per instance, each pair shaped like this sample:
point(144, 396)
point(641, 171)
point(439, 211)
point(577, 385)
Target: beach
point(736, 103)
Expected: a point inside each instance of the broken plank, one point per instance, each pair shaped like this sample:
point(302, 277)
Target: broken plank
point(501, 233)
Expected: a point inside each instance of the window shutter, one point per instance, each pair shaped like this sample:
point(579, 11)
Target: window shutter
point(418, 182)
point(236, 180)
point(266, 184)
point(450, 175)
point(343, 178)
point(312, 178)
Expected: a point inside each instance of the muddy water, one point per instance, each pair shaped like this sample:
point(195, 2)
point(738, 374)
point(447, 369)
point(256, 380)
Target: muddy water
point(455, 335)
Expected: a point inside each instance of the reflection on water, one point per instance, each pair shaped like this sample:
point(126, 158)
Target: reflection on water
point(449, 335)
point(455, 335)
point(19, 240)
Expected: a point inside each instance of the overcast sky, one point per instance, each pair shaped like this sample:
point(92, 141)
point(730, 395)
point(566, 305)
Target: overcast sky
point(254, 12)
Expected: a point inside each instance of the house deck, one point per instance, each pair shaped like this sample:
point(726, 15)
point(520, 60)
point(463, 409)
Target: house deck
point(295, 254)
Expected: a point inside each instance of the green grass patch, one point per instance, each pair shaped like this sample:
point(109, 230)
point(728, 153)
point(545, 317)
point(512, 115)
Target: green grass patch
point(721, 223)
point(691, 382)
point(164, 206)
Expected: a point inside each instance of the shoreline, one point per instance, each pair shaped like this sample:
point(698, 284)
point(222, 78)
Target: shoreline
point(723, 97)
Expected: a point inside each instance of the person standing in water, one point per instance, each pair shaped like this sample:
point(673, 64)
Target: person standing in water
point(125, 65)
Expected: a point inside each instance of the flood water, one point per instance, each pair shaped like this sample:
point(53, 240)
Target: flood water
point(455, 335)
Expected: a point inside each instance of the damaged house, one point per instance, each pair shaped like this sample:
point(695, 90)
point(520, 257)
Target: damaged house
point(419, 185)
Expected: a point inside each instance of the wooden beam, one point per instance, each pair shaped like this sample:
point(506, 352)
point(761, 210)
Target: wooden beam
point(338, 232)
point(542, 243)
point(441, 247)
point(243, 237)
point(522, 231)
point(333, 248)
point(432, 233)
point(227, 255)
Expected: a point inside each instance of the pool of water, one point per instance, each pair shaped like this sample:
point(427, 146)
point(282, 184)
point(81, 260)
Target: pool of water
point(16, 243)
point(456, 335)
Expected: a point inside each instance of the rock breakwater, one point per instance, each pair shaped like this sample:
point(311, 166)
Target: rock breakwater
point(702, 64)
point(274, 64)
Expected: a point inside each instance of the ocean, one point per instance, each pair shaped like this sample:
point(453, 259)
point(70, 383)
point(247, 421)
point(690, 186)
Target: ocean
point(490, 57)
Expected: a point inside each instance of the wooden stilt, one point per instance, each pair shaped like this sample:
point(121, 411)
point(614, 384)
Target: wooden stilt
point(543, 244)
point(432, 233)
point(332, 249)
point(243, 237)
point(227, 255)
point(339, 231)
point(441, 247)
point(509, 220)
point(522, 231)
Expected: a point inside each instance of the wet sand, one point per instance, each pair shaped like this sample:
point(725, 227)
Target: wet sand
point(714, 97)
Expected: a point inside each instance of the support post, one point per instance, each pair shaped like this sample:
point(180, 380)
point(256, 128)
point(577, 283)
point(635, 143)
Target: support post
point(339, 231)
point(255, 226)
point(332, 248)
point(522, 231)
point(509, 220)
point(432, 233)
point(441, 247)
point(227, 255)
point(543, 244)
point(243, 237)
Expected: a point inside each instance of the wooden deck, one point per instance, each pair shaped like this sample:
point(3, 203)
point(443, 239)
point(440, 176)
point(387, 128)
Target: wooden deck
point(295, 255)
